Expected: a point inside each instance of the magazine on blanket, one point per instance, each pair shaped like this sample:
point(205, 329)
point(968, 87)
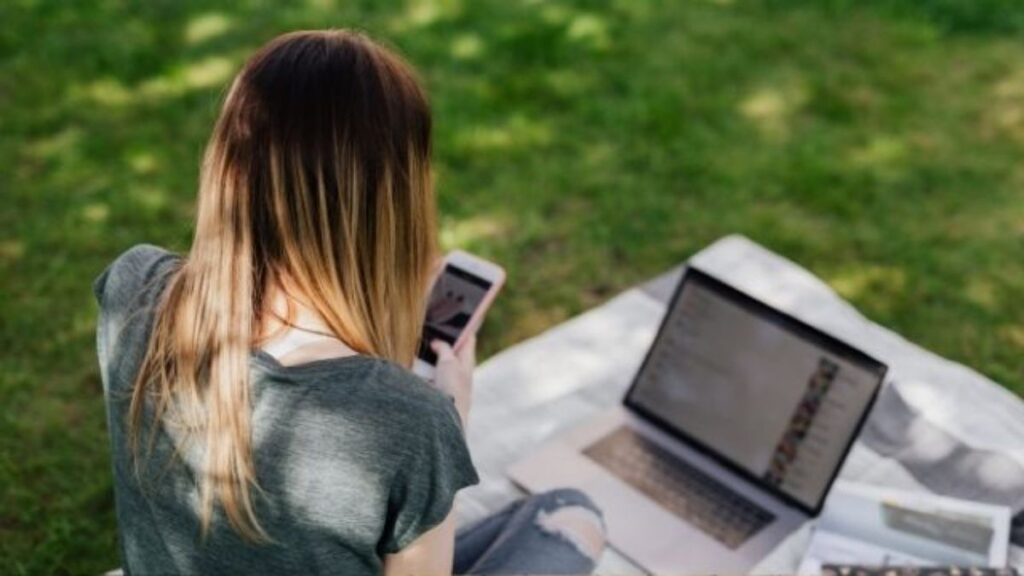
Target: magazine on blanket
point(873, 526)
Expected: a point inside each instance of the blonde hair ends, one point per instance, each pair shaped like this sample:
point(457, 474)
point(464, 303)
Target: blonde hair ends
point(318, 171)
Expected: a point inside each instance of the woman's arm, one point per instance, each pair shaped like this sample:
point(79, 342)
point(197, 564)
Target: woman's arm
point(432, 553)
point(454, 374)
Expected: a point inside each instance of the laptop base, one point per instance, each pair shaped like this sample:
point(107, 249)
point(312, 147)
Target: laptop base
point(639, 528)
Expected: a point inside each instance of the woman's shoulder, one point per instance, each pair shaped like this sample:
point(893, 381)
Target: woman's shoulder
point(127, 277)
point(397, 391)
point(406, 388)
point(380, 390)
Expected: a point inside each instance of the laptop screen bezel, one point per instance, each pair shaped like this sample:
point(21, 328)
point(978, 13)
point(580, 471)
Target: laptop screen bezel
point(801, 329)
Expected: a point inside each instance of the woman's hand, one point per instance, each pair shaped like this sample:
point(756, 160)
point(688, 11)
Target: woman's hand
point(454, 373)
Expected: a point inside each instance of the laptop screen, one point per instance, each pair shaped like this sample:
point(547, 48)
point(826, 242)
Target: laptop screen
point(768, 394)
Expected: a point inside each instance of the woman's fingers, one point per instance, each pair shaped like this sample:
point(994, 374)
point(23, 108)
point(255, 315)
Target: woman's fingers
point(467, 352)
point(443, 350)
point(466, 355)
point(454, 374)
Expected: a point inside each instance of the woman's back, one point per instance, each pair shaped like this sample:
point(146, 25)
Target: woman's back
point(355, 457)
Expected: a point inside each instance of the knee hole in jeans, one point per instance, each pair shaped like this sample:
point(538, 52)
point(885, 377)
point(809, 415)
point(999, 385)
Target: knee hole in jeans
point(578, 525)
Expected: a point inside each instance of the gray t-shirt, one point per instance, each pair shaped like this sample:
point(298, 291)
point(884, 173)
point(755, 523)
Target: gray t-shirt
point(356, 457)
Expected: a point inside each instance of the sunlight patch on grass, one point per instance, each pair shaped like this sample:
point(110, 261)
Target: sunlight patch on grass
point(791, 221)
point(150, 197)
point(771, 108)
point(159, 88)
point(555, 14)
point(881, 153)
point(424, 13)
point(96, 212)
point(517, 133)
point(869, 282)
point(469, 231)
point(568, 81)
point(109, 92)
point(1005, 114)
point(467, 47)
point(981, 292)
point(1013, 213)
point(208, 73)
point(206, 27)
point(984, 225)
point(590, 30)
point(599, 154)
point(11, 250)
point(143, 162)
point(59, 144)
point(1013, 335)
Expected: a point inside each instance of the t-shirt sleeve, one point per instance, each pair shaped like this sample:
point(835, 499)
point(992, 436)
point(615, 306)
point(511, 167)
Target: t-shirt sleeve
point(435, 467)
point(130, 284)
point(126, 276)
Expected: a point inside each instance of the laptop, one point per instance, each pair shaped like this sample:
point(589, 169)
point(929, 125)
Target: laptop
point(728, 440)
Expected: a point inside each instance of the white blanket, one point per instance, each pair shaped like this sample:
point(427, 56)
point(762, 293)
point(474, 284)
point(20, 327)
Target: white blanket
point(938, 426)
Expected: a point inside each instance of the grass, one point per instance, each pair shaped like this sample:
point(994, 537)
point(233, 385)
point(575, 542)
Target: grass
point(586, 146)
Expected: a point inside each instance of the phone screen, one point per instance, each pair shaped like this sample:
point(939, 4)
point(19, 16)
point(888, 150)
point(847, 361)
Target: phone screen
point(455, 297)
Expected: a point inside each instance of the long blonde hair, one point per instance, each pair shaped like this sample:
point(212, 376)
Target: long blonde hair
point(317, 172)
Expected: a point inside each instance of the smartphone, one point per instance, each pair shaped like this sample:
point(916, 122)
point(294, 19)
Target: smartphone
point(463, 291)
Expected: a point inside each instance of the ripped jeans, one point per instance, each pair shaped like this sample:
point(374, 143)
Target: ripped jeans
point(556, 532)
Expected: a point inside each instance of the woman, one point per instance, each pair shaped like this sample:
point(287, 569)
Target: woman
point(261, 411)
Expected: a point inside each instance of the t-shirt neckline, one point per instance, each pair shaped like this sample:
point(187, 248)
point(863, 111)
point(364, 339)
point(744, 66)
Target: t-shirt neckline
point(320, 365)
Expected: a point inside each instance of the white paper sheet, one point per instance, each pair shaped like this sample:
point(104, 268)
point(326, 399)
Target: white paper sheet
point(871, 526)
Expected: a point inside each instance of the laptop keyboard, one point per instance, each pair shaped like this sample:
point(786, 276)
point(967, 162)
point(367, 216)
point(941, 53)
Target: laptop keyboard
point(679, 487)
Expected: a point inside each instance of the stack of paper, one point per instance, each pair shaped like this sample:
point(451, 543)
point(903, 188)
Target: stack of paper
point(873, 526)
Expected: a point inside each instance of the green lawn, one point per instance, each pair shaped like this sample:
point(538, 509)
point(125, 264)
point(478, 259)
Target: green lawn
point(586, 146)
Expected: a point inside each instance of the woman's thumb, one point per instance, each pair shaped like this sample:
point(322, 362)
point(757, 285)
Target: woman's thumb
point(442, 349)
